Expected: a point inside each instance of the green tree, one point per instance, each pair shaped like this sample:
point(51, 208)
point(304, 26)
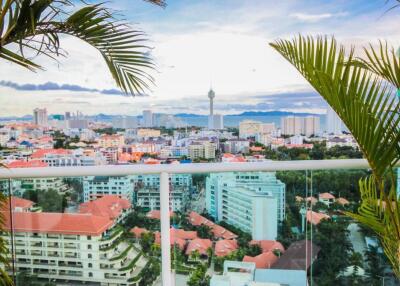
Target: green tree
point(204, 231)
point(199, 277)
point(375, 268)
point(146, 241)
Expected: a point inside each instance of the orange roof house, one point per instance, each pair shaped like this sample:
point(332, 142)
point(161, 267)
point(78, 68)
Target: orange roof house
point(156, 214)
point(27, 164)
point(342, 201)
point(315, 218)
point(57, 223)
point(268, 245)
point(110, 206)
point(17, 205)
point(225, 247)
point(138, 231)
point(199, 244)
point(264, 260)
point(217, 230)
point(177, 236)
point(39, 154)
point(326, 196)
point(312, 200)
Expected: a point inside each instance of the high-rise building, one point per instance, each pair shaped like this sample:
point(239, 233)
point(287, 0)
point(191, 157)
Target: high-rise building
point(334, 124)
point(218, 121)
point(291, 125)
point(295, 125)
point(95, 187)
point(147, 118)
point(235, 196)
point(311, 126)
point(40, 116)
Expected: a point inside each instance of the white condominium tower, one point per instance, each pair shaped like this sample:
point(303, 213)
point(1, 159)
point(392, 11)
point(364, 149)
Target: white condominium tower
point(334, 124)
point(254, 201)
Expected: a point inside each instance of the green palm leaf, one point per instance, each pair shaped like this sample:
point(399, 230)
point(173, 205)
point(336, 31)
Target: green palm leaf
point(366, 105)
point(381, 213)
point(35, 27)
point(384, 62)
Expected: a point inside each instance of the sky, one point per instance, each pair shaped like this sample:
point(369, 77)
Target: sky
point(196, 45)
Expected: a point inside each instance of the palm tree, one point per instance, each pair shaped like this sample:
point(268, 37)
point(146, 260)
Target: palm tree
point(31, 28)
point(361, 93)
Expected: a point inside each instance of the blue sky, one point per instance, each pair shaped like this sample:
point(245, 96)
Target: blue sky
point(199, 43)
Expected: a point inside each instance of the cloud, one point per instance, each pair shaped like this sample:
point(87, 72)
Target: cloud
point(54, 86)
point(313, 18)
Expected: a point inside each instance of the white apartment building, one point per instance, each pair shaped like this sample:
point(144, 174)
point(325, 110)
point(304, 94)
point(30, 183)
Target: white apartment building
point(147, 133)
point(149, 198)
point(111, 141)
point(260, 183)
point(72, 248)
point(40, 116)
point(97, 186)
point(251, 211)
point(236, 146)
point(295, 125)
point(202, 149)
point(173, 152)
point(250, 128)
point(153, 181)
point(334, 124)
point(43, 184)
point(148, 118)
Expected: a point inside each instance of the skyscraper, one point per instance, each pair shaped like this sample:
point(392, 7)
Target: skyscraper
point(40, 116)
point(334, 124)
point(147, 118)
point(211, 95)
point(215, 121)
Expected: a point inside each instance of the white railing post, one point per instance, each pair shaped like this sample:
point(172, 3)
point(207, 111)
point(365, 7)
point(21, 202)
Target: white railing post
point(165, 234)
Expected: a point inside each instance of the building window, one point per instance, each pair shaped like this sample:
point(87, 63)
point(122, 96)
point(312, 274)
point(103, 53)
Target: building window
point(89, 237)
point(90, 265)
point(89, 246)
point(89, 255)
point(90, 274)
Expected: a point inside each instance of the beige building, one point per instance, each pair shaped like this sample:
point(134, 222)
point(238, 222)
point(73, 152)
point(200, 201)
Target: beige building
point(146, 133)
point(295, 125)
point(203, 149)
point(111, 141)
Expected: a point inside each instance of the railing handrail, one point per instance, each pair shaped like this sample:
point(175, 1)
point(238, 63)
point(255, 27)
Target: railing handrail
point(188, 168)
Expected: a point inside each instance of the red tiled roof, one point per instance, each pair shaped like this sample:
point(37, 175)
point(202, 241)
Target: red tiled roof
point(27, 164)
point(61, 223)
point(312, 200)
point(199, 244)
point(269, 245)
point(225, 247)
point(173, 240)
point(156, 214)
point(17, 203)
point(38, 154)
point(315, 218)
point(218, 231)
point(264, 260)
point(138, 231)
point(110, 206)
point(342, 201)
point(326, 196)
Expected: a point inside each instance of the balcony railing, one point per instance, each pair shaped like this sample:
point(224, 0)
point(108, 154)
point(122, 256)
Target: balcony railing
point(164, 171)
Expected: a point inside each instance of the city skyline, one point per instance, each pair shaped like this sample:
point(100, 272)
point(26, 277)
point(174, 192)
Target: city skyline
point(259, 78)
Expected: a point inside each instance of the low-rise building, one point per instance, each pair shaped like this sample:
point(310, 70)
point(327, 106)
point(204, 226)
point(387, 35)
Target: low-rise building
point(95, 187)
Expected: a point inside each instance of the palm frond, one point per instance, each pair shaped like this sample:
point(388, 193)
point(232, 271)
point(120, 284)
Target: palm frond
point(384, 62)
point(381, 213)
point(35, 27)
point(366, 105)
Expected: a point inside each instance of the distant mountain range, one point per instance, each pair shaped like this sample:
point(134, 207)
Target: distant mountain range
point(251, 113)
point(108, 117)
